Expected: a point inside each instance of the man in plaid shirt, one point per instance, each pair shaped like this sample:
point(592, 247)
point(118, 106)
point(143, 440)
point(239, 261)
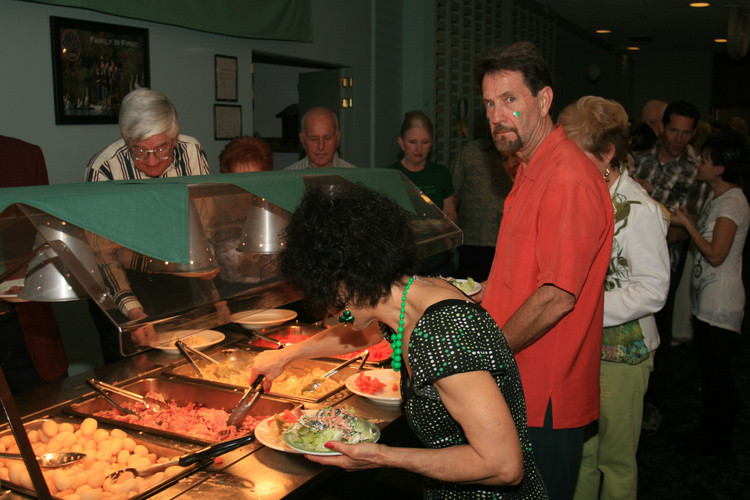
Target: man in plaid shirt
point(668, 173)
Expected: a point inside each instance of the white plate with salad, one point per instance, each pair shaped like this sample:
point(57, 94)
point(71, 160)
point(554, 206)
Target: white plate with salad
point(268, 434)
point(316, 427)
point(468, 286)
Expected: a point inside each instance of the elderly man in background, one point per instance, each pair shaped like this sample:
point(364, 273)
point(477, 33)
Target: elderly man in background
point(652, 114)
point(546, 285)
point(151, 144)
point(320, 139)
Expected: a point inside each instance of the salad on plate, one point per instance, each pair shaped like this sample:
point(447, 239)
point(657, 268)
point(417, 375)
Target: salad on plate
point(316, 427)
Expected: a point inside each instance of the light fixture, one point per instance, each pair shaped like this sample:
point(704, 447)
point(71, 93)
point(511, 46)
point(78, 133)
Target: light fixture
point(260, 233)
point(603, 32)
point(633, 47)
point(49, 277)
point(201, 261)
point(720, 40)
point(699, 5)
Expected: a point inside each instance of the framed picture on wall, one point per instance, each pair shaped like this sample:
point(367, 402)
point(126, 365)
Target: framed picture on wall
point(225, 68)
point(227, 121)
point(94, 66)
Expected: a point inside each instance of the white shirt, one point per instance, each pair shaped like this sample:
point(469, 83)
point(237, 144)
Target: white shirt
point(637, 280)
point(304, 163)
point(718, 293)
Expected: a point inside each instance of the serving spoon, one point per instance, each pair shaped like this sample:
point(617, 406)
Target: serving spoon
point(312, 386)
point(49, 460)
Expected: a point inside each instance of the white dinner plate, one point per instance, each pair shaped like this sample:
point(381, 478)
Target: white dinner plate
point(267, 438)
point(261, 319)
point(198, 340)
point(388, 396)
point(463, 285)
point(288, 437)
point(11, 297)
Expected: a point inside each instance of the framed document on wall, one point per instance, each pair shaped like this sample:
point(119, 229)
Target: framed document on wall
point(227, 121)
point(94, 66)
point(226, 78)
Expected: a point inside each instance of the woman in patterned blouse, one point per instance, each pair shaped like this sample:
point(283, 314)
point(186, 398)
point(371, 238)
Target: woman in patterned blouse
point(351, 249)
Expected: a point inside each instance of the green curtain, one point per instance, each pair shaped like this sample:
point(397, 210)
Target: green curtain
point(267, 19)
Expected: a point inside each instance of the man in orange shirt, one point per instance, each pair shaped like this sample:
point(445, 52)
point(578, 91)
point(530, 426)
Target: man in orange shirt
point(546, 285)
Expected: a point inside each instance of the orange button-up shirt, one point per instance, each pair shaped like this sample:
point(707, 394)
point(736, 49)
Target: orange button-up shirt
point(556, 229)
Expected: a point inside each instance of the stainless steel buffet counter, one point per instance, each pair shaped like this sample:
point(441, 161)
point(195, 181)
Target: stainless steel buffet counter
point(250, 472)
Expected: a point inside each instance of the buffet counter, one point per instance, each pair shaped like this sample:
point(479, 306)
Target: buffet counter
point(249, 472)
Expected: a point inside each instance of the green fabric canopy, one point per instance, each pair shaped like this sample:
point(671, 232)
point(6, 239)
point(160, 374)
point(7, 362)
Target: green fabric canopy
point(151, 216)
point(266, 19)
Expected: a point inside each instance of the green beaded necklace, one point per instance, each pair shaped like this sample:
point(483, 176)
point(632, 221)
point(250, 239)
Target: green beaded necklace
point(396, 340)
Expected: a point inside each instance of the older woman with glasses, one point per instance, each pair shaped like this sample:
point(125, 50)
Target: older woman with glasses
point(635, 288)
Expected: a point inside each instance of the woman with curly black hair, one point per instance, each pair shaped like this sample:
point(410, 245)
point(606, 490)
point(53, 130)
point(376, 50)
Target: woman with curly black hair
point(351, 252)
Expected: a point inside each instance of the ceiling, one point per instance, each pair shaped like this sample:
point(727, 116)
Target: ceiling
point(652, 25)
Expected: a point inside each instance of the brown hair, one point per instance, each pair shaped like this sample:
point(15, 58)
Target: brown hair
point(244, 150)
point(416, 119)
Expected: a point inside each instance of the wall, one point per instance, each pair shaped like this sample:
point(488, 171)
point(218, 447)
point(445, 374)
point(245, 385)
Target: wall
point(182, 66)
point(574, 57)
point(672, 77)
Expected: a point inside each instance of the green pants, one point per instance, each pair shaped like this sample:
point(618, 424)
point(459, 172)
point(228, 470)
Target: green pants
point(608, 466)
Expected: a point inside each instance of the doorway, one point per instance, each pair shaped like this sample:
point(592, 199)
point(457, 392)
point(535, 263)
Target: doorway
point(284, 88)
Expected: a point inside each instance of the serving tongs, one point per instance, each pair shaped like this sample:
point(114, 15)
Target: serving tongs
point(150, 403)
point(251, 395)
point(94, 384)
point(49, 460)
point(272, 340)
point(312, 386)
point(189, 352)
point(209, 452)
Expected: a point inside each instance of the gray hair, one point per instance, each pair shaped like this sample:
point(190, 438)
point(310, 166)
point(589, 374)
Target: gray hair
point(319, 112)
point(145, 113)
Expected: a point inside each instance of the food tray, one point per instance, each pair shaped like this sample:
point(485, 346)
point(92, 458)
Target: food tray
point(153, 444)
point(239, 360)
point(183, 393)
point(379, 354)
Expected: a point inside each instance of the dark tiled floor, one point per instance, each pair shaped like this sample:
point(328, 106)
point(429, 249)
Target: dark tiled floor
point(666, 473)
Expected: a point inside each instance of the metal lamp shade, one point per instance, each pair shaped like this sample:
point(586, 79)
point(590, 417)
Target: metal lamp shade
point(262, 229)
point(48, 278)
point(202, 260)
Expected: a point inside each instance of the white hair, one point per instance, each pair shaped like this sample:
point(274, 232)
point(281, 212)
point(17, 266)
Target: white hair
point(145, 113)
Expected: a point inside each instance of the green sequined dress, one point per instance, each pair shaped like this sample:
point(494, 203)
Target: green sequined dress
point(457, 336)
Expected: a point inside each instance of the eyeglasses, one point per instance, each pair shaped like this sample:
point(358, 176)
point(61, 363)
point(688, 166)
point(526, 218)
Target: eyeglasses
point(162, 153)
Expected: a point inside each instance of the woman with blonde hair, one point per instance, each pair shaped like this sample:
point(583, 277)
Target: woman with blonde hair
point(635, 288)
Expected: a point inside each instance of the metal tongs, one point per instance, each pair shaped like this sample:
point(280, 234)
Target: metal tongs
point(251, 395)
point(189, 352)
point(312, 386)
point(95, 385)
point(188, 459)
point(248, 399)
point(150, 403)
point(270, 339)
